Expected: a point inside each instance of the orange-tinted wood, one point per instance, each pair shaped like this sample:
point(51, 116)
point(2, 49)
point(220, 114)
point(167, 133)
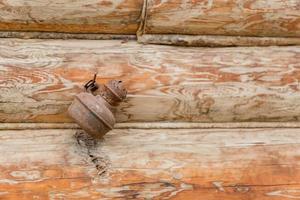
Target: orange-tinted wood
point(39, 78)
point(278, 18)
point(81, 16)
point(219, 17)
point(212, 164)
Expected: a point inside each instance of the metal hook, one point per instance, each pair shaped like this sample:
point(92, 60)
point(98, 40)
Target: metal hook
point(91, 85)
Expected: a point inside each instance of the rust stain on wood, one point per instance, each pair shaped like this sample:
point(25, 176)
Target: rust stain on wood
point(90, 147)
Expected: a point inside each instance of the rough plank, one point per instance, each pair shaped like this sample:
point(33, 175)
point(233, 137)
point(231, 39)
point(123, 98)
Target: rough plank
point(218, 17)
point(38, 79)
point(79, 16)
point(151, 164)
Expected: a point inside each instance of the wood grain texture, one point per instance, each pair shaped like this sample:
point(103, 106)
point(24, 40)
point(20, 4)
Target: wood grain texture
point(39, 78)
point(79, 16)
point(218, 17)
point(212, 164)
point(200, 17)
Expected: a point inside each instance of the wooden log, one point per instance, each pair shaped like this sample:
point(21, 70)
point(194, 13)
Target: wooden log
point(151, 164)
point(39, 78)
point(279, 18)
point(239, 18)
point(81, 16)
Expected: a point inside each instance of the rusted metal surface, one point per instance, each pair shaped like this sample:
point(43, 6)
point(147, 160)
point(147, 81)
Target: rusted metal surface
point(93, 110)
point(113, 92)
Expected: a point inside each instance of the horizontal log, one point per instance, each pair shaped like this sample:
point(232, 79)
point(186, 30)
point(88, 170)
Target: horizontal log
point(151, 164)
point(279, 18)
point(218, 17)
point(39, 78)
point(81, 16)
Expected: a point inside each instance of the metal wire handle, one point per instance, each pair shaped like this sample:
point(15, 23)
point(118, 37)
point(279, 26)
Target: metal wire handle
point(91, 85)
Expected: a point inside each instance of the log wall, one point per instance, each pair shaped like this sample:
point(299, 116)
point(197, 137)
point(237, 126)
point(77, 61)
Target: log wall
point(155, 159)
point(39, 78)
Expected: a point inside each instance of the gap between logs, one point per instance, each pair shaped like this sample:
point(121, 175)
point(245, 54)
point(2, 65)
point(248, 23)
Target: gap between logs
point(154, 125)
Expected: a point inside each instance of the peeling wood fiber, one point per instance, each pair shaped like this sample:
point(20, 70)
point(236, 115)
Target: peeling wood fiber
point(151, 164)
point(39, 78)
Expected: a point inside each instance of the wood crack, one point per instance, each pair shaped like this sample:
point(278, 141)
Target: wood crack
point(90, 146)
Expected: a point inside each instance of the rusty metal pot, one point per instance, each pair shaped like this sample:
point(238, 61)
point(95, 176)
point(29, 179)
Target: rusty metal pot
point(93, 110)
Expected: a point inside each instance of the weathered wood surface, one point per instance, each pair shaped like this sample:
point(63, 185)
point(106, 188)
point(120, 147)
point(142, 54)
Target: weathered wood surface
point(151, 164)
point(215, 40)
point(208, 17)
point(66, 36)
point(166, 39)
point(218, 17)
point(39, 78)
point(80, 16)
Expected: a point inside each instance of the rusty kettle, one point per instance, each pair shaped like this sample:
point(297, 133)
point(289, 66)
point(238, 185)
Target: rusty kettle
point(93, 110)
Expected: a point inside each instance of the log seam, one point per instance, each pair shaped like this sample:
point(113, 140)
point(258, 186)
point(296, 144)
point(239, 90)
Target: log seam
point(143, 20)
point(65, 36)
point(215, 40)
point(164, 39)
point(155, 125)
